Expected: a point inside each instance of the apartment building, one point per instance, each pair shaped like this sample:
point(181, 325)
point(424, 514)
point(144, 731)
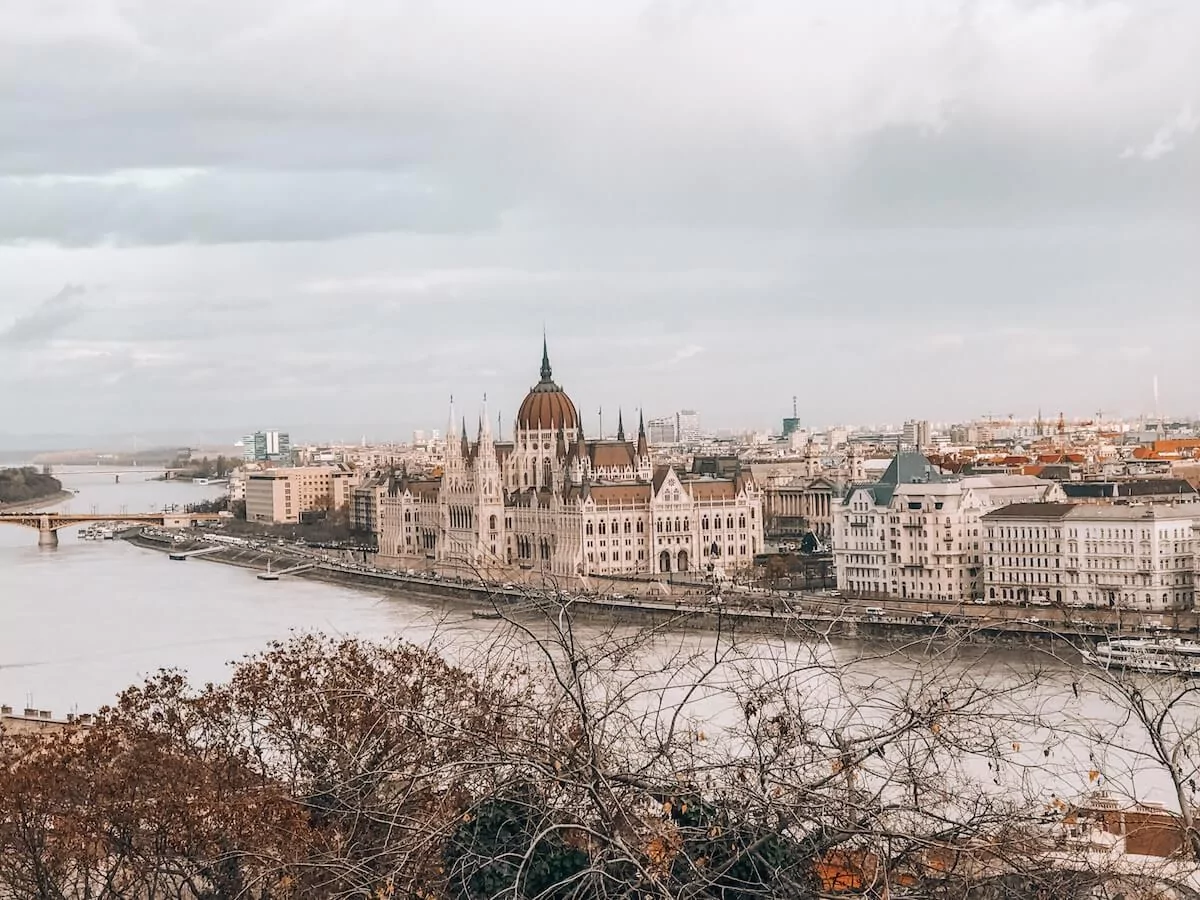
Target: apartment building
point(284, 495)
point(916, 533)
point(1129, 556)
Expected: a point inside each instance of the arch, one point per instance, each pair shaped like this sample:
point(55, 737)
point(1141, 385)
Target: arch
point(683, 560)
point(492, 522)
point(664, 561)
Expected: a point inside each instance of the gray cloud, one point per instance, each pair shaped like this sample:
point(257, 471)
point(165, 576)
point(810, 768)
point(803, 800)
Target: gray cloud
point(46, 319)
point(350, 212)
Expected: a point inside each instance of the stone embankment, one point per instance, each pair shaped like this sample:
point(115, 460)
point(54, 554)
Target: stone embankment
point(755, 614)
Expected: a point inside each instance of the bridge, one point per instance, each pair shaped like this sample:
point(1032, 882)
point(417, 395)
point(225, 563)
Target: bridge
point(48, 523)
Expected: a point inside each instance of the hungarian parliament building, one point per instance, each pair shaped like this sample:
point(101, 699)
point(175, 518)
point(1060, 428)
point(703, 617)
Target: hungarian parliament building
point(552, 502)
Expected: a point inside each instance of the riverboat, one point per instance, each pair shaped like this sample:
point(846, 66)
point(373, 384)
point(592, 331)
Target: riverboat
point(1164, 656)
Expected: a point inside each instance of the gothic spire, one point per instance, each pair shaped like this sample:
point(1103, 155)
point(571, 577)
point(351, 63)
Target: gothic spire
point(620, 426)
point(643, 446)
point(546, 373)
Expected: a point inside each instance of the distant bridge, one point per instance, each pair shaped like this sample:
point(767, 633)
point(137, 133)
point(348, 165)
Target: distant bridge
point(48, 523)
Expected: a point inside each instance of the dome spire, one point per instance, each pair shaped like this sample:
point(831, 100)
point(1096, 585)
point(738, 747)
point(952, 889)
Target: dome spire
point(546, 373)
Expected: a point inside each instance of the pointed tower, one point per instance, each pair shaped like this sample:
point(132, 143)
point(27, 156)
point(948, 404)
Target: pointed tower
point(620, 427)
point(644, 466)
point(465, 444)
point(453, 468)
point(489, 493)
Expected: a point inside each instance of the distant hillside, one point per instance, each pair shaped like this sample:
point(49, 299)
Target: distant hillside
point(19, 485)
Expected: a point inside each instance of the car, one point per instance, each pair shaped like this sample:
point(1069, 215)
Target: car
point(1040, 601)
point(980, 601)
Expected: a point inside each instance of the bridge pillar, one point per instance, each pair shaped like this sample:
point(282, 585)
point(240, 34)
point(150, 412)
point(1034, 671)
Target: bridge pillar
point(47, 535)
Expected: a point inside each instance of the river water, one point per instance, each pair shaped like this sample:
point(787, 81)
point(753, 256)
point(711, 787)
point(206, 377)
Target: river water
point(81, 622)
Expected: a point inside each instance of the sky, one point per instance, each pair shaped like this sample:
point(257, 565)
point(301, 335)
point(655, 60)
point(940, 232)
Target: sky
point(330, 216)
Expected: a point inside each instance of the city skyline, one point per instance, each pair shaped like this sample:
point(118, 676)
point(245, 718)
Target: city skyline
point(890, 209)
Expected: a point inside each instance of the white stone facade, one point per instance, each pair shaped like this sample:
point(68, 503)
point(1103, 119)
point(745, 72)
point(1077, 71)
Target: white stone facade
point(917, 533)
point(552, 503)
point(1140, 557)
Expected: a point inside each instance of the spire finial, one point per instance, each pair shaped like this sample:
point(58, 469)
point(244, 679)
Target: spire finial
point(620, 426)
point(545, 358)
point(641, 423)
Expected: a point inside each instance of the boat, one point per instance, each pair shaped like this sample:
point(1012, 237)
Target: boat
point(1165, 656)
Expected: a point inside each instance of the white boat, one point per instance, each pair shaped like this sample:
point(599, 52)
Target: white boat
point(1166, 656)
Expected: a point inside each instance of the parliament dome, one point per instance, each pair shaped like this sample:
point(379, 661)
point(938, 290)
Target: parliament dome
point(547, 407)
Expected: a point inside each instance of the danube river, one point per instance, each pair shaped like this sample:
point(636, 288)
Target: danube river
point(83, 621)
point(79, 623)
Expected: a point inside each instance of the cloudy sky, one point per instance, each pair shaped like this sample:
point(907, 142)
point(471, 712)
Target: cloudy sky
point(322, 215)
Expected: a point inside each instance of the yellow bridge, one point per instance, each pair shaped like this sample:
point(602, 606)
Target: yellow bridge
point(48, 523)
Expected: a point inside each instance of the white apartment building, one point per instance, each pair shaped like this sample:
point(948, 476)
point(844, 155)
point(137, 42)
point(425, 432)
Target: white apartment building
point(1130, 556)
point(916, 534)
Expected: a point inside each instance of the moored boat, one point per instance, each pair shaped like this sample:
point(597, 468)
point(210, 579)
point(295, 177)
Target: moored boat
point(1166, 656)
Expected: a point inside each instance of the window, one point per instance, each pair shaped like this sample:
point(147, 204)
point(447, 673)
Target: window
point(639, 526)
point(588, 528)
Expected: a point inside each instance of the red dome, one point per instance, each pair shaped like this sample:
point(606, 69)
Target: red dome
point(547, 407)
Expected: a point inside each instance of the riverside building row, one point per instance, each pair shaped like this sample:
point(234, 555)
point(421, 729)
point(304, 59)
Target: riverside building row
point(920, 534)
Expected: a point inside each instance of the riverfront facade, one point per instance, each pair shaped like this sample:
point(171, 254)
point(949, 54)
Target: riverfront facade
point(553, 502)
point(1130, 556)
point(916, 533)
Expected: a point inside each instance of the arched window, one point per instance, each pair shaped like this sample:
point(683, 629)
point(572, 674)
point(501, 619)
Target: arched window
point(639, 526)
point(704, 523)
point(492, 523)
point(741, 521)
point(687, 524)
point(588, 527)
point(616, 527)
point(628, 526)
point(729, 522)
point(717, 522)
point(667, 527)
point(677, 524)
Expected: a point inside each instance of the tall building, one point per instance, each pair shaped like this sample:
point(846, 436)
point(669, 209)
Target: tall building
point(687, 425)
point(267, 446)
point(553, 503)
point(916, 532)
point(662, 430)
point(916, 435)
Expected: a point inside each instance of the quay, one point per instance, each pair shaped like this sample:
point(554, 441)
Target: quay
point(806, 616)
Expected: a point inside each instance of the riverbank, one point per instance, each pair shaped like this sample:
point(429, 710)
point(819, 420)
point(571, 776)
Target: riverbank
point(37, 504)
point(679, 613)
